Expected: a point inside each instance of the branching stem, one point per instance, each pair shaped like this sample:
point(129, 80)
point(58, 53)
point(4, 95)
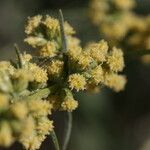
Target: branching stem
point(55, 140)
point(68, 129)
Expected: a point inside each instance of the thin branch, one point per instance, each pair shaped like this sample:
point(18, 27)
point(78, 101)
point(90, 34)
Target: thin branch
point(63, 36)
point(68, 129)
point(64, 46)
point(18, 53)
point(55, 140)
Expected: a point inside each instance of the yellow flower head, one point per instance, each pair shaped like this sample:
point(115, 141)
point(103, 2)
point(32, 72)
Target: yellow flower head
point(35, 41)
point(124, 4)
point(48, 50)
point(97, 75)
point(74, 48)
point(69, 104)
point(72, 42)
point(32, 23)
point(32, 142)
point(28, 128)
point(55, 68)
point(3, 101)
point(39, 74)
point(84, 60)
point(74, 53)
point(44, 126)
point(5, 65)
point(77, 82)
point(23, 74)
point(39, 107)
point(98, 51)
point(26, 57)
point(115, 81)
point(115, 60)
point(19, 110)
point(68, 29)
point(6, 138)
point(117, 31)
point(51, 23)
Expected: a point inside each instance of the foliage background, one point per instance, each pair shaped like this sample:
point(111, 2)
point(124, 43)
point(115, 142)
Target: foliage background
point(104, 121)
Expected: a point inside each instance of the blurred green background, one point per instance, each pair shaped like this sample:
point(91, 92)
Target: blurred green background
point(104, 121)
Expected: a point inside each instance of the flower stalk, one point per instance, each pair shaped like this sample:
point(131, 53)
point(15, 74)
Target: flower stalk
point(55, 140)
point(68, 129)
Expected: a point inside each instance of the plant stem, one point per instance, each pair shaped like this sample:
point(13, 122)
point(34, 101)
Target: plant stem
point(55, 140)
point(63, 36)
point(68, 129)
point(18, 53)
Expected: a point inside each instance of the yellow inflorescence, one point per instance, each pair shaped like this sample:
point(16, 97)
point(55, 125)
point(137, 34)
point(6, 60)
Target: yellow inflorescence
point(55, 68)
point(39, 107)
point(69, 104)
point(35, 86)
point(39, 74)
point(48, 50)
point(119, 24)
point(51, 23)
point(19, 110)
point(98, 51)
point(116, 14)
point(6, 137)
point(116, 82)
point(97, 75)
point(77, 82)
point(115, 60)
point(35, 41)
point(84, 60)
point(124, 4)
point(33, 22)
point(3, 101)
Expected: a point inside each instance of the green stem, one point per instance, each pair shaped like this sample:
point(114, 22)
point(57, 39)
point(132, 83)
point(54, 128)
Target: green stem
point(63, 36)
point(68, 129)
point(18, 53)
point(55, 140)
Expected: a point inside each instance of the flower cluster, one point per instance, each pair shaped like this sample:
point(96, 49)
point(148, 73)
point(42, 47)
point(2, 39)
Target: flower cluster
point(24, 118)
point(114, 13)
point(128, 29)
point(78, 68)
point(119, 15)
point(32, 87)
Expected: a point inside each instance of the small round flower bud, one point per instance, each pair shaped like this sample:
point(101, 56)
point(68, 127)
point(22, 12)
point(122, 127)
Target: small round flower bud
point(69, 104)
point(77, 82)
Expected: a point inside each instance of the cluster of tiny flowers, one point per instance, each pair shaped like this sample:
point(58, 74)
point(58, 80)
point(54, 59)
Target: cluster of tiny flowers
point(93, 66)
point(24, 104)
point(23, 118)
point(48, 43)
point(127, 28)
point(114, 13)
